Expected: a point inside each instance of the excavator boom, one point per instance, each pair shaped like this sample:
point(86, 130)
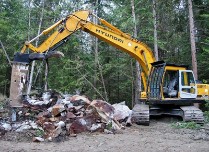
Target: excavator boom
point(108, 33)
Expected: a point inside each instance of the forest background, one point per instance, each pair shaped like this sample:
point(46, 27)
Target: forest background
point(91, 66)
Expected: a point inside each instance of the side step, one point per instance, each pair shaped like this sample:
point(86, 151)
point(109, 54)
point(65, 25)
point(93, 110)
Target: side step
point(192, 113)
point(140, 114)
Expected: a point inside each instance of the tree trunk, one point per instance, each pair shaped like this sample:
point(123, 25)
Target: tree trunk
point(155, 30)
point(29, 23)
point(138, 69)
point(132, 85)
point(33, 63)
point(95, 40)
point(96, 60)
point(192, 39)
point(46, 75)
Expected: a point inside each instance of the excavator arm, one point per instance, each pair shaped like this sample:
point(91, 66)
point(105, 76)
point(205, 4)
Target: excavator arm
point(61, 31)
point(106, 32)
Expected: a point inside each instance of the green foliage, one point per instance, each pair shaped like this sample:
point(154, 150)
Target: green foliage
point(202, 36)
point(173, 32)
point(206, 116)
point(39, 133)
point(186, 125)
point(12, 34)
point(206, 112)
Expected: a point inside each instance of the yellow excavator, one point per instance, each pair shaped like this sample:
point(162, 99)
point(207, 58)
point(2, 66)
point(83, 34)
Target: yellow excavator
point(168, 88)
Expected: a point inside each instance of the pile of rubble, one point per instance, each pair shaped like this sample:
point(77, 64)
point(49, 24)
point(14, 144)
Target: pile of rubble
point(55, 114)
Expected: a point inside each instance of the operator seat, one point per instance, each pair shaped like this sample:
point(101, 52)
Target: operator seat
point(171, 88)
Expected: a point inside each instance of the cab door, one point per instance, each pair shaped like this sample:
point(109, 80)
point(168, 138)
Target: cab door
point(187, 85)
point(155, 81)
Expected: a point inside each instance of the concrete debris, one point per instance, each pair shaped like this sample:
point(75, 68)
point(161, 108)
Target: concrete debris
point(3, 113)
point(106, 112)
point(38, 139)
point(55, 133)
point(20, 126)
point(60, 124)
point(46, 96)
point(108, 131)
point(44, 100)
point(129, 120)
point(121, 111)
point(70, 115)
point(7, 126)
point(55, 115)
point(86, 123)
point(77, 100)
point(48, 127)
point(96, 127)
point(25, 126)
point(103, 107)
point(2, 131)
point(57, 109)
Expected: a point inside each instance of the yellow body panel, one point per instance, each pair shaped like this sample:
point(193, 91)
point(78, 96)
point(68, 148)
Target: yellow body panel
point(202, 90)
point(174, 68)
point(143, 95)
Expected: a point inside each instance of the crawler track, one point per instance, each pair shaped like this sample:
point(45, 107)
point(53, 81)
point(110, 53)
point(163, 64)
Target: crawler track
point(192, 113)
point(140, 114)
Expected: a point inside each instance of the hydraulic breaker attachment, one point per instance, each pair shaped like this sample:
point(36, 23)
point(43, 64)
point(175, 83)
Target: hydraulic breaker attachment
point(18, 82)
point(22, 58)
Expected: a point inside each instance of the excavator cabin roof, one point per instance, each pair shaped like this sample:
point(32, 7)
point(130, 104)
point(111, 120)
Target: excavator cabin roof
point(160, 63)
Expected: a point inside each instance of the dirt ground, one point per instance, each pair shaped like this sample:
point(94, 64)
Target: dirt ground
point(159, 136)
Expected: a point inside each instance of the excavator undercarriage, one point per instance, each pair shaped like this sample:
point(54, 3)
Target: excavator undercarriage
point(141, 113)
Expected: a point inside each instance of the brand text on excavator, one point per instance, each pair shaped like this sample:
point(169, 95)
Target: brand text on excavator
point(109, 35)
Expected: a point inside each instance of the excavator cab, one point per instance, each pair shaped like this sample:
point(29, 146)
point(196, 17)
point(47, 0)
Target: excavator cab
point(170, 82)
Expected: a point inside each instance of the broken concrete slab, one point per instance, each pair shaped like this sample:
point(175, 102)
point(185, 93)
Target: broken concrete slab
point(70, 115)
point(81, 125)
point(57, 109)
point(106, 112)
point(53, 130)
point(20, 127)
point(77, 100)
point(102, 106)
point(121, 111)
point(38, 102)
point(38, 139)
point(6, 126)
